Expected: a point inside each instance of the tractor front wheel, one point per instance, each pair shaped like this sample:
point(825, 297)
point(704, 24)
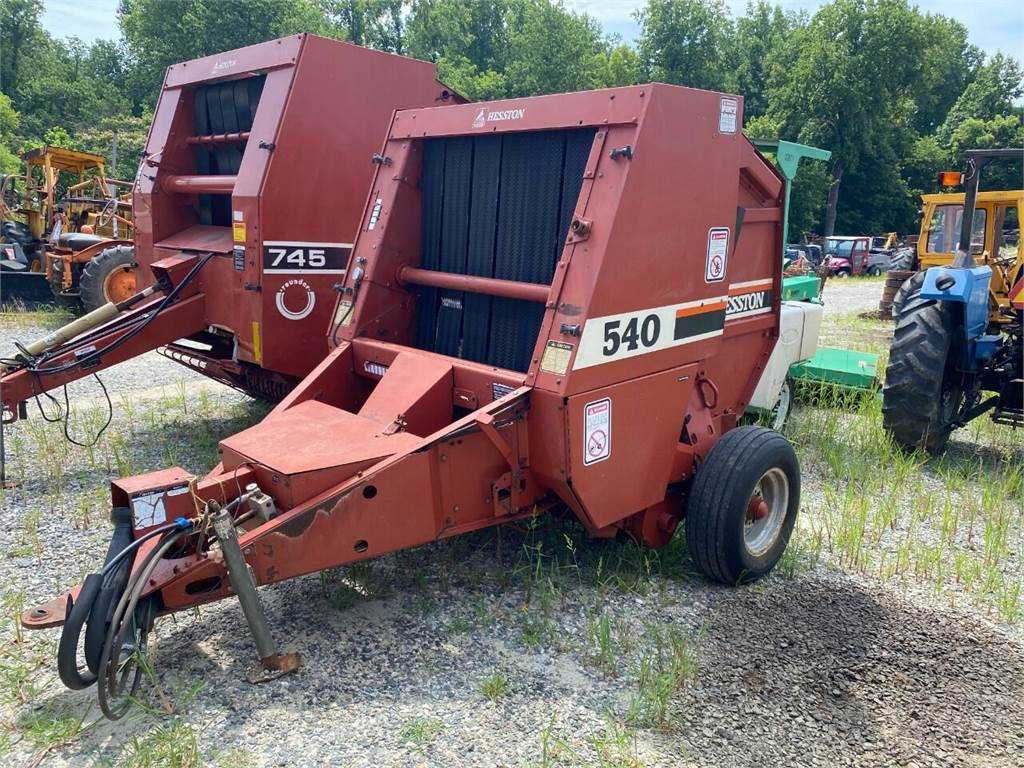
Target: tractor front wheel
point(921, 395)
point(111, 275)
point(742, 506)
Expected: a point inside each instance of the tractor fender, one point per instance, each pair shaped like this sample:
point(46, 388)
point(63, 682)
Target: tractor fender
point(967, 286)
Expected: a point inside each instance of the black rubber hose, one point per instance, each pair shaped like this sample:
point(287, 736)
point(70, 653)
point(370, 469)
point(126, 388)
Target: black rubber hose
point(109, 687)
point(113, 585)
point(67, 649)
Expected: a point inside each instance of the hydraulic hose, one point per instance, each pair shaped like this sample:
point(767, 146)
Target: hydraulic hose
point(34, 367)
point(85, 606)
point(112, 585)
point(67, 649)
point(108, 685)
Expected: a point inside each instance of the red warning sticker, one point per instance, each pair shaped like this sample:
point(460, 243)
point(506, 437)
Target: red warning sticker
point(718, 253)
point(597, 431)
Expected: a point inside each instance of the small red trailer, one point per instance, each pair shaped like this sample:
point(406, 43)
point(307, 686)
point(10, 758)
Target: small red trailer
point(246, 204)
point(554, 303)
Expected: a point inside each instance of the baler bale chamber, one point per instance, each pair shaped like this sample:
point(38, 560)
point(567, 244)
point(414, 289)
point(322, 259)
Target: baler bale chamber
point(246, 205)
point(554, 303)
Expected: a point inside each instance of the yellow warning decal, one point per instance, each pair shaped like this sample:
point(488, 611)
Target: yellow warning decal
point(238, 231)
point(257, 342)
point(556, 357)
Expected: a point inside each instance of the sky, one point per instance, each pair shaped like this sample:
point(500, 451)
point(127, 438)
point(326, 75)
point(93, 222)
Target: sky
point(994, 25)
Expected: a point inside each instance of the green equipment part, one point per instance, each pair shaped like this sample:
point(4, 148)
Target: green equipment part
point(840, 367)
point(788, 155)
point(801, 288)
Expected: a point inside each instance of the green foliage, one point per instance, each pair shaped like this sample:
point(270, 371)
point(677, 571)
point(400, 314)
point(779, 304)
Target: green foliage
point(159, 33)
point(894, 93)
point(686, 42)
point(9, 120)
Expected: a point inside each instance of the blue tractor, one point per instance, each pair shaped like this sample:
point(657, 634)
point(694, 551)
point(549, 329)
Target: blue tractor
point(957, 352)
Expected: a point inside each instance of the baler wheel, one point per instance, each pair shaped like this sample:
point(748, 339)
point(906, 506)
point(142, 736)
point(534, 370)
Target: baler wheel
point(109, 276)
point(742, 507)
point(921, 395)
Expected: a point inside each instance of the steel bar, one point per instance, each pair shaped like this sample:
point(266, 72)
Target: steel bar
point(508, 289)
point(197, 185)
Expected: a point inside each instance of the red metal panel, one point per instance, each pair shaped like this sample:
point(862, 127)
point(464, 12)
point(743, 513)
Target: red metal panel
point(315, 187)
point(415, 395)
point(646, 418)
point(260, 57)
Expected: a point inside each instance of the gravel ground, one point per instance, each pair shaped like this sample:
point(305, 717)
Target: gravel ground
point(477, 653)
point(843, 296)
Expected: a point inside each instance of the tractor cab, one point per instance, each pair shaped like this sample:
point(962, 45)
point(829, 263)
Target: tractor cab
point(995, 233)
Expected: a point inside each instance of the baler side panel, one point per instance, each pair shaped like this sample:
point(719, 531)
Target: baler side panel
point(650, 218)
point(622, 467)
point(314, 190)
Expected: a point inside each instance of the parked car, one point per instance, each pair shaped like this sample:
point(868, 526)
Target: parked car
point(849, 256)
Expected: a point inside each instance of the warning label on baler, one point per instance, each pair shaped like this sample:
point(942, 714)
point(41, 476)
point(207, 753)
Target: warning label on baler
point(556, 357)
point(728, 109)
point(597, 431)
point(718, 253)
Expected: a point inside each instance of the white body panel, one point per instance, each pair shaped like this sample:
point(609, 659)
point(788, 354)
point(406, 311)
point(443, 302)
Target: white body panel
point(799, 327)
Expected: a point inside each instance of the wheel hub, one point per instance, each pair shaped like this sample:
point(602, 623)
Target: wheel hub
point(766, 512)
point(120, 284)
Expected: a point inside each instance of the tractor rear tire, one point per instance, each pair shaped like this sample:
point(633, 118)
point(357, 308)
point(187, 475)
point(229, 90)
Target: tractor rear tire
point(920, 399)
point(911, 285)
point(107, 276)
point(742, 506)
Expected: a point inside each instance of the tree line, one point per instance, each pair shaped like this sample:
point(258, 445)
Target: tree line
point(896, 94)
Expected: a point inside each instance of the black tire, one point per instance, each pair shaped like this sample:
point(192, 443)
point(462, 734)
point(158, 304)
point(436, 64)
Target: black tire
point(874, 271)
point(842, 273)
point(902, 258)
point(718, 505)
point(94, 275)
point(921, 395)
point(911, 285)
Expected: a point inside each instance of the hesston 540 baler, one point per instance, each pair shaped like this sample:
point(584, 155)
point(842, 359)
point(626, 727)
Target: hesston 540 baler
point(554, 303)
point(246, 204)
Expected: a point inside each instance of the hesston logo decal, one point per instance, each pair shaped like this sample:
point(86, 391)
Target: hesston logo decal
point(749, 299)
point(484, 116)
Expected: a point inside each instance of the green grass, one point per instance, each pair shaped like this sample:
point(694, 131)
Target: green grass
point(171, 745)
point(952, 524)
point(420, 731)
point(614, 747)
point(17, 314)
point(667, 662)
point(495, 685)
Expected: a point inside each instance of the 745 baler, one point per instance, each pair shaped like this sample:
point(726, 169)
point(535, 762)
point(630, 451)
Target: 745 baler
point(554, 303)
point(246, 204)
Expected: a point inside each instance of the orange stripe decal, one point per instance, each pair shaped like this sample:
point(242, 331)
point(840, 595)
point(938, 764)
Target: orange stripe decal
point(715, 306)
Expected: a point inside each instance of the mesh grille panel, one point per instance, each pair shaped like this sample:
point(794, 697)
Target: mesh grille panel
point(495, 206)
point(223, 108)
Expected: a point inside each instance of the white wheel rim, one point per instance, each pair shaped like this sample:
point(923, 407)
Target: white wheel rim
point(761, 533)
